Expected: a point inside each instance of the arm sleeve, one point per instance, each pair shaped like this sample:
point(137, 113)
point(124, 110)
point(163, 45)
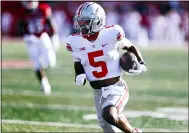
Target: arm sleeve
point(122, 41)
point(49, 20)
point(69, 47)
point(75, 57)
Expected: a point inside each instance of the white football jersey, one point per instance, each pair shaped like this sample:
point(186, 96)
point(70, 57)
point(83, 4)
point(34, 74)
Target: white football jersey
point(100, 58)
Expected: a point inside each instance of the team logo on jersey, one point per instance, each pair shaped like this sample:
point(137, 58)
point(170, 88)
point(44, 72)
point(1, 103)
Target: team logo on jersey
point(119, 36)
point(82, 48)
point(68, 47)
point(104, 44)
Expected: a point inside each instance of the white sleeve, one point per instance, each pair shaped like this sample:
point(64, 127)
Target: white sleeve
point(75, 57)
point(69, 47)
point(122, 41)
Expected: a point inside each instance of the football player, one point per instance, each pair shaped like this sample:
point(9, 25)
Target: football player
point(41, 39)
point(96, 58)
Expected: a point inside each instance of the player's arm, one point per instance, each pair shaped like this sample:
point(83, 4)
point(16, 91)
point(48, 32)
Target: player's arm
point(53, 29)
point(131, 48)
point(80, 77)
point(125, 44)
point(49, 20)
point(78, 67)
point(51, 24)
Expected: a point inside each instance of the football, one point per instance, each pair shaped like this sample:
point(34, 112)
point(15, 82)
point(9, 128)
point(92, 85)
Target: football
point(128, 61)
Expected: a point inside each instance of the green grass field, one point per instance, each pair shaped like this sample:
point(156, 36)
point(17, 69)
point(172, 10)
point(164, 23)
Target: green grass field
point(25, 108)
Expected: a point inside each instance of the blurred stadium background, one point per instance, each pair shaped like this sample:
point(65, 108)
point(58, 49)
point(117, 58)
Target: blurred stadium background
point(158, 99)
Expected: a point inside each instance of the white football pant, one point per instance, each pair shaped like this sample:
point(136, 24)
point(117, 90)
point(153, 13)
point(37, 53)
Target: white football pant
point(40, 50)
point(117, 96)
point(56, 42)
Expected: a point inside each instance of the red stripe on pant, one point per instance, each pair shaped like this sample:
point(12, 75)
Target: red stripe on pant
point(118, 105)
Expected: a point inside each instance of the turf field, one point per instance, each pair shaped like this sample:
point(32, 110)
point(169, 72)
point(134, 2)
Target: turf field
point(158, 98)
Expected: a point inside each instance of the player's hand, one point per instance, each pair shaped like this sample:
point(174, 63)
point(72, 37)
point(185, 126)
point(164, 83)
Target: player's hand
point(142, 68)
point(80, 79)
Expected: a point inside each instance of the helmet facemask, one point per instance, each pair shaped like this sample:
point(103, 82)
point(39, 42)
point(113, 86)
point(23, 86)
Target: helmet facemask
point(87, 26)
point(83, 25)
point(89, 18)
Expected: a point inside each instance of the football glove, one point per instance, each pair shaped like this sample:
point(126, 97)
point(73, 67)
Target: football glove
point(141, 68)
point(80, 79)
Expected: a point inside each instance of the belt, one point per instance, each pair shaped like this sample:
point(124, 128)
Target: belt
point(104, 83)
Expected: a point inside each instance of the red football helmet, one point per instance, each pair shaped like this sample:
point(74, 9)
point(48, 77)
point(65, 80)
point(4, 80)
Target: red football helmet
point(31, 4)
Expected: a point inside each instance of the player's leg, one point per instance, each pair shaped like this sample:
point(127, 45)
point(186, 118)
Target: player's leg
point(55, 42)
point(107, 128)
point(32, 45)
point(40, 74)
point(113, 106)
point(47, 51)
point(46, 87)
point(48, 58)
point(111, 116)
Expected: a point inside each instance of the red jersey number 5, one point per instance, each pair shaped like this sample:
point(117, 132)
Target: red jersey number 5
point(101, 64)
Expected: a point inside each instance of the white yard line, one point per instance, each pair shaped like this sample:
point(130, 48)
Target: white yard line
point(53, 94)
point(49, 106)
point(171, 113)
point(90, 95)
point(57, 124)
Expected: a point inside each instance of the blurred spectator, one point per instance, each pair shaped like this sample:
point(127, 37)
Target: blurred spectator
point(173, 32)
point(131, 23)
point(158, 26)
point(184, 26)
point(112, 17)
point(132, 26)
point(7, 21)
point(62, 26)
point(141, 20)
